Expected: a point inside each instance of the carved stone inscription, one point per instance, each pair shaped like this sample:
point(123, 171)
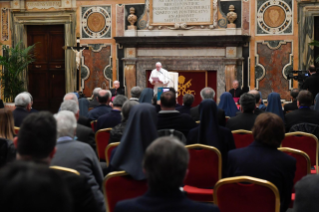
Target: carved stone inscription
point(169, 12)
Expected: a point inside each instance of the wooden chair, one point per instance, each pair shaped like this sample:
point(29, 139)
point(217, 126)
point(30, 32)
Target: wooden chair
point(108, 151)
point(204, 170)
point(305, 142)
point(118, 186)
point(93, 125)
point(242, 138)
point(303, 166)
point(102, 138)
point(65, 169)
point(16, 130)
point(226, 118)
point(246, 194)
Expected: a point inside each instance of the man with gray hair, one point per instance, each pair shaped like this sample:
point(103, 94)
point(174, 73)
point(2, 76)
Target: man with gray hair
point(83, 133)
point(246, 119)
point(94, 100)
point(208, 93)
point(159, 77)
point(23, 108)
point(104, 98)
point(236, 91)
point(117, 90)
point(135, 93)
point(77, 155)
point(113, 118)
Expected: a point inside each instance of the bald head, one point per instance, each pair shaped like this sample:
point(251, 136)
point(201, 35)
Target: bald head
point(103, 96)
point(256, 95)
point(70, 96)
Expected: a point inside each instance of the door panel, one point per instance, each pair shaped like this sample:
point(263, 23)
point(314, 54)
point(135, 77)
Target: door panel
point(47, 73)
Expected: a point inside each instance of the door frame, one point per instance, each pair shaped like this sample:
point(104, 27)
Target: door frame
point(20, 20)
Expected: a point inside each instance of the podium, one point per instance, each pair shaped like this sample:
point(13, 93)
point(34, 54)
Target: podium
point(173, 81)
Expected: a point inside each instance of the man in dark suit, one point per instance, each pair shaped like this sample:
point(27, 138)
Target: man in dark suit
point(246, 119)
point(117, 89)
point(263, 160)
point(169, 118)
point(293, 105)
point(77, 155)
point(113, 118)
point(81, 119)
point(165, 165)
point(236, 90)
point(83, 133)
point(104, 108)
point(39, 147)
point(304, 114)
point(312, 82)
point(94, 102)
point(23, 107)
point(257, 96)
point(208, 93)
point(188, 100)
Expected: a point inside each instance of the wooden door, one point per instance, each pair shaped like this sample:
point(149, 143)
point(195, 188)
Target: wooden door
point(47, 73)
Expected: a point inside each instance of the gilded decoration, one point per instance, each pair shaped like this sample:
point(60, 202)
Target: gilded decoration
point(96, 22)
point(274, 17)
point(4, 24)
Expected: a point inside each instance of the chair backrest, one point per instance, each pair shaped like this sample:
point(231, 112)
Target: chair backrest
point(204, 167)
point(245, 194)
point(242, 138)
point(108, 151)
point(307, 128)
point(118, 186)
point(173, 133)
point(16, 130)
point(305, 142)
point(303, 166)
point(65, 169)
point(93, 125)
point(226, 118)
point(102, 138)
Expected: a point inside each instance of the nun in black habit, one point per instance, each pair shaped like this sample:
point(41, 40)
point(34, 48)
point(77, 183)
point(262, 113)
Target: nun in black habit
point(210, 133)
point(139, 133)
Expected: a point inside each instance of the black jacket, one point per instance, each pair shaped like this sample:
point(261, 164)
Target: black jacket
point(86, 135)
point(243, 121)
point(305, 115)
point(265, 162)
point(19, 115)
point(220, 114)
point(236, 93)
point(291, 106)
point(84, 121)
point(311, 84)
point(117, 91)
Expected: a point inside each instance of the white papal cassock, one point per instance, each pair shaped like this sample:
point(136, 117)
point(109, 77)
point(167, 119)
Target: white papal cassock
point(162, 75)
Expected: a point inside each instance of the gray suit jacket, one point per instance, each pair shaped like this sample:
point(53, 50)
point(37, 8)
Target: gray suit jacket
point(81, 157)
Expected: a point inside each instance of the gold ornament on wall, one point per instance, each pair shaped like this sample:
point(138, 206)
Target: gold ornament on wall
point(132, 18)
point(231, 17)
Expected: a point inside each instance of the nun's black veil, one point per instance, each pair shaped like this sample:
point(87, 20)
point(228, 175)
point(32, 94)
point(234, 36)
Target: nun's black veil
point(139, 133)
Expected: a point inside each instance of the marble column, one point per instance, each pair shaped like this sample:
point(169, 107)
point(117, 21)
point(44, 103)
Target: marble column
point(130, 78)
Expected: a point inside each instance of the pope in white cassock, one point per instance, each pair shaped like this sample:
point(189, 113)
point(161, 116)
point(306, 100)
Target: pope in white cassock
point(159, 77)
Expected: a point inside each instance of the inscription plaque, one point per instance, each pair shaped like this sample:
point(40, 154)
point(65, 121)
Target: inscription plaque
point(192, 12)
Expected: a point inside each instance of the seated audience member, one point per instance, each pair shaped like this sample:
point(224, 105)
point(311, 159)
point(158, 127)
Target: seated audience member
point(188, 100)
point(304, 114)
point(23, 107)
point(77, 155)
point(208, 93)
point(246, 119)
point(36, 142)
point(113, 118)
point(7, 149)
point(263, 160)
point(274, 105)
point(83, 133)
point(209, 132)
point(30, 187)
point(31, 98)
point(117, 90)
point(257, 96)
point(228, 105)
point(146, 96)
point(117, 132)
point(169, 118)
point(316, 103)
point(306, 194)
point(1, 104)
point(261, 106)
point(135, 93)
point(139, 133)
point(236, 90)
point(94, 100)
point(165, 164)
point(81, 119)
point(293, 105)
point(104, 108)
point(175, 94)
